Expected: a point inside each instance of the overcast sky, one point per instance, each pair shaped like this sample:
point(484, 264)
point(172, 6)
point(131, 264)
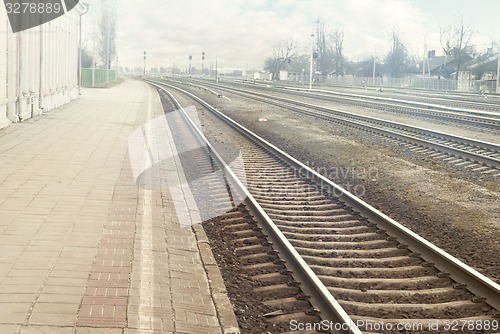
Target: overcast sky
point(243, 32)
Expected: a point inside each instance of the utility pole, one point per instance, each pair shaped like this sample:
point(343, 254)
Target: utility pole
point(423, 65)
point(93, 63)
point(40, 81)
point(144, 63)
point(374, 69)
point(108, 55)
point(498, 68)
point(424, 58)
point(311, 63)
point(202, 64)
point(93, 70)
point(216, 71)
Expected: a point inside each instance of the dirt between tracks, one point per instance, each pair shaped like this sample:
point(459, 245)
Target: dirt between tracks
point(456, 210)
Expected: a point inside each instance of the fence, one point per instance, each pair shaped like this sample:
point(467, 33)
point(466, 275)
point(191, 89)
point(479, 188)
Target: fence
point(487, 86)
point(97, 77)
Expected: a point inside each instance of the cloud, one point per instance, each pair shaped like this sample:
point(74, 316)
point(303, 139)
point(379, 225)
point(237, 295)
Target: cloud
point(241, 31)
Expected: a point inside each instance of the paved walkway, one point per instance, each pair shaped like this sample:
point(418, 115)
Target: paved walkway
point(82, 248)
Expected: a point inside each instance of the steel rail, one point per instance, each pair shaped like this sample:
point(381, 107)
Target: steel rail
point(475, 282)
point(444, 108)
point(364, 100)
point(432, 110)
point(325, 113)
point(329, 307)
point(479, 114)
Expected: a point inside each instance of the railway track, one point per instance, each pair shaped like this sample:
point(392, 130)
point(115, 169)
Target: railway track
point(467, 103)
point(463, 116)
point(478, 156)
point(488, 120)
point(275, 295)
point(472, 101)
point(381, 274)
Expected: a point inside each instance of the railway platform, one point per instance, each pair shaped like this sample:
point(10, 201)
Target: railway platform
point(83, 249)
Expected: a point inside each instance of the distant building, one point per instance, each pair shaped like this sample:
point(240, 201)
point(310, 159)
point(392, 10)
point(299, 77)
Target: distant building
point(38, 67)
point(437, 66)
point(283, 75)
point(262, 76)
point(480, 73)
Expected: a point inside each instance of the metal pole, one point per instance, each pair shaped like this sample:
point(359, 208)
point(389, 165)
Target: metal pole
point(93, 70)
point(423, 59)
point(216, 71)
point(498, 68)
point(374, 69)
point(40, 82)
point(311, 63)
point(80, 57)
point(202, 62)
point(108, 56)
point(93, 64)
point(21, 76)
point(423, 67)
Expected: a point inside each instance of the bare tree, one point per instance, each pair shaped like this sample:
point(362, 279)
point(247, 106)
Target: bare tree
point(323, 50)
point(397, 59)
point(300, 63)
point(284, 53)
point(106, 32)
point(464, 34)
point(455, 41)
point(338, 51)
point(330, 49)
point(445, 39)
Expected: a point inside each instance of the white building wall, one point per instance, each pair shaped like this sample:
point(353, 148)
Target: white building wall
point(38, 67)
point(284, 75)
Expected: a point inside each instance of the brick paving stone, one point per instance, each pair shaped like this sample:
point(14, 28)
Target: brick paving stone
point(18, 298)
point(46, 330)
point(10, 329)
point(65, 290)
point(14, 307)
point(9, 318)
point(54, 298)
point(19, 289)
point(53, 319)
point(145, 331)
point(91, 330)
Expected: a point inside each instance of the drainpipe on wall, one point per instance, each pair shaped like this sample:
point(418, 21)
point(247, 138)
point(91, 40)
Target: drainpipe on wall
point(498, 68)
point(21, 75)
point(41, 78)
